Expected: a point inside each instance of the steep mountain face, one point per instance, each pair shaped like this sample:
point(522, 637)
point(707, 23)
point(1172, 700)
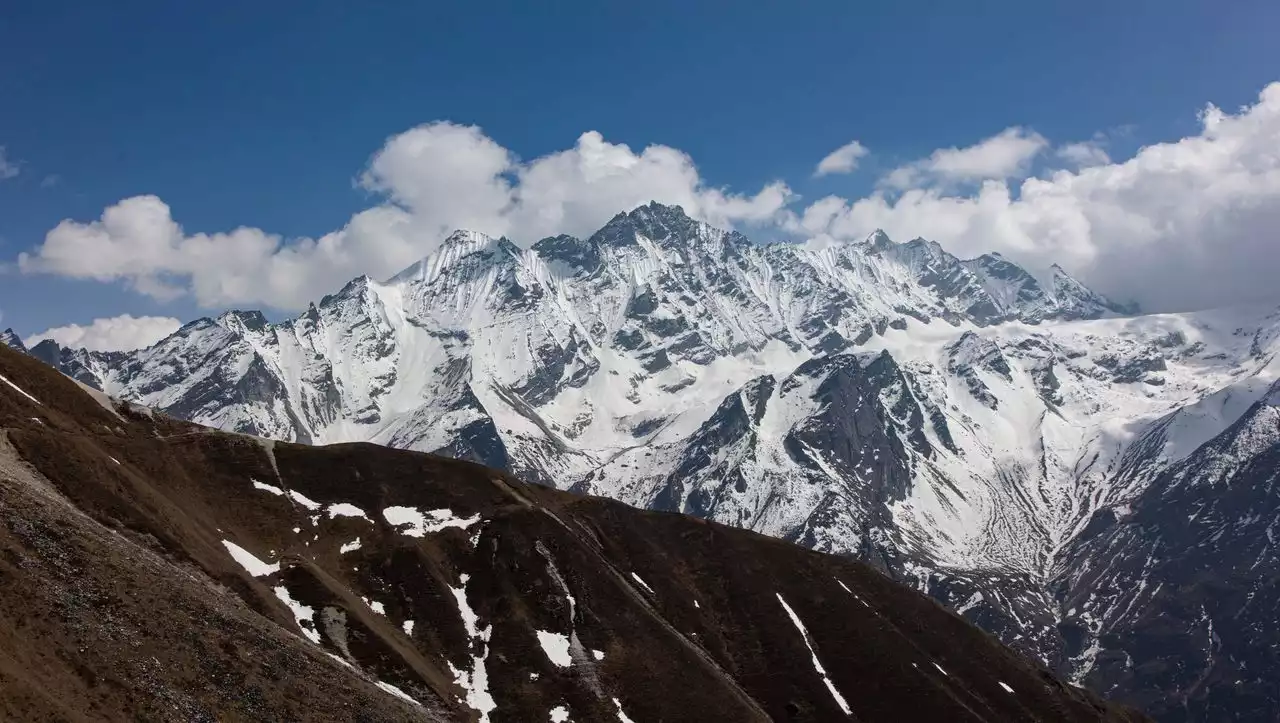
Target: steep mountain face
point(968, 427)
point(157, 570)
point(1188, 566)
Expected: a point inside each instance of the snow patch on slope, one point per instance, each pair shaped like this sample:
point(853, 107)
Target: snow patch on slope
point(556, 648)
point(817, 664)
point(476, 680)
point(18, 389)
point(395, 691)
point(411, 522)
point(304, 615)
point(346, 509)
point(249, 561)
point(267, 488)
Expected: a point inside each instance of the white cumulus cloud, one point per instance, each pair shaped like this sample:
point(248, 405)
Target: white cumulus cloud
point(118, 333)
point(435, 178)
point(1084, 154)
point(842, 160)
point(1007, 154)
point(1184, 224)
point(1188, 224)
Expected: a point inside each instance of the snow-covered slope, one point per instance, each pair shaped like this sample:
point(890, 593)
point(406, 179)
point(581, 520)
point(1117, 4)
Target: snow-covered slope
point(964, 424)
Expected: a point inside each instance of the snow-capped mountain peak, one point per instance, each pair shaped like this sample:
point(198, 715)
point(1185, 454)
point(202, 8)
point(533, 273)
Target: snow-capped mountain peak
point(10, 338)
point(461, 249)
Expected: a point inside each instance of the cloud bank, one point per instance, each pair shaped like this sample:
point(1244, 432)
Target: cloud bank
point(1190, 223)
point(435, 178)
point(120, 333)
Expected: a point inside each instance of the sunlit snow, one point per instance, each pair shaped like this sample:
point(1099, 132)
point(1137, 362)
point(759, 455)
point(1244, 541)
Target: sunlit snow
point(817, 665)
point(642, 582)
point(304, 615)
point(249, 561)
point(622, 716)
point(344, 663)
point(556, 648)
point(854, 594)
point(409, 521)
point(395, 691)
point(266, 487)
point(476, 680)
point(18, 389)
point(345, 509)
point(304, 501)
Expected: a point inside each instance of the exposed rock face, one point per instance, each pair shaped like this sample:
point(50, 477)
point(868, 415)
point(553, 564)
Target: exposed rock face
point(966, 425)
point(154, 569)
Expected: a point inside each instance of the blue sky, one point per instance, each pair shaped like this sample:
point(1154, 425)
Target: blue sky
point(263, 114)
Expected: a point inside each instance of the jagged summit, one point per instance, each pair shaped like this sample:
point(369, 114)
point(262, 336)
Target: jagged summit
point(654, 221)
point(578, 254)
point(878, 240)
point(249, 321)
point(461, 247)
point(987, 289)
point(10, 338)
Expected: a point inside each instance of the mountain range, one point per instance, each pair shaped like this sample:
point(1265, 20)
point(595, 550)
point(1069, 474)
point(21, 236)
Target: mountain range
point(1095, 486)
